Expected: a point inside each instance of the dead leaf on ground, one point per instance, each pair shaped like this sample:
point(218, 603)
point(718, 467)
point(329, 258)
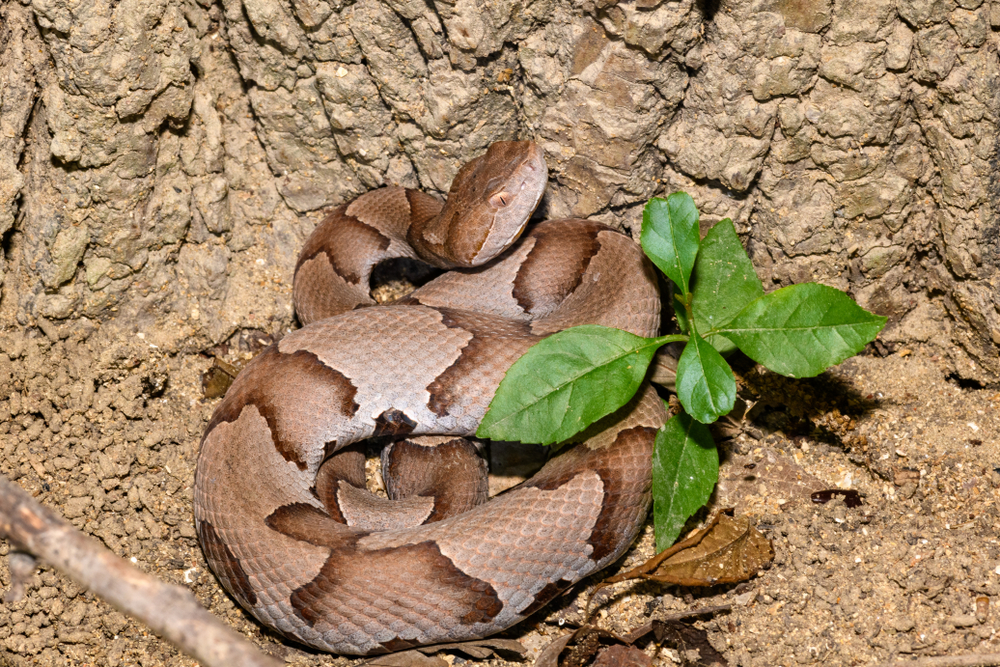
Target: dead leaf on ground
point(216, 380)
point(549, 657)
point(691, 644)
point(726, 551)
point(238, 350)
point(407, 659)
point(584, 643)
point(622, 656)
point(479, 648)
point(688, 616)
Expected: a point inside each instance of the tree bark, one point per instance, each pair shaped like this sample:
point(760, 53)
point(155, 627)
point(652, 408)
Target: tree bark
point(157, 158)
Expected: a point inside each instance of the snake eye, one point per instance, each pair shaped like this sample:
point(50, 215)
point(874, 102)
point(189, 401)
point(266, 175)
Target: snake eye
point(500, 199)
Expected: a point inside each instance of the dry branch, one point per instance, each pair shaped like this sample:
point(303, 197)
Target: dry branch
point(974, 660)
point(170, 611)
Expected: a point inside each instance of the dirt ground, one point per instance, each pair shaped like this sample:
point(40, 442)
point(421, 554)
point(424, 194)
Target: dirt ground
point(106, 431)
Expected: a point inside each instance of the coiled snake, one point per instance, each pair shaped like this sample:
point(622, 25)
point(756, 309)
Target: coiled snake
point(279, 497)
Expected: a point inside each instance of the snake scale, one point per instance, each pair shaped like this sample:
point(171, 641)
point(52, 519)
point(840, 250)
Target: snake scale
point(280, 502)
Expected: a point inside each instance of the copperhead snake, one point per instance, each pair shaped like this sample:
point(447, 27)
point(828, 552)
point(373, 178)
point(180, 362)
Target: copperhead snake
point(279, 499)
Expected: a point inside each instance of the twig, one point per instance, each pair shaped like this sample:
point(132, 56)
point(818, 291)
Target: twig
point(170, 611)
point(974, 660)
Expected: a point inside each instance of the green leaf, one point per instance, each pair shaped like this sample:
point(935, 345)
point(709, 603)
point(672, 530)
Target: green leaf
point(670, 236)
point(724, 282)
point(705, 383)
point(685, 470)
point(801, 330)
point(566, 382)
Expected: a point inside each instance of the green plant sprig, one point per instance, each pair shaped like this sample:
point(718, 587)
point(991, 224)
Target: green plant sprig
point(571, 379)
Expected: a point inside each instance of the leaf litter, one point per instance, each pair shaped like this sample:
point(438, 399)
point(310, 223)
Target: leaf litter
point(726, 551)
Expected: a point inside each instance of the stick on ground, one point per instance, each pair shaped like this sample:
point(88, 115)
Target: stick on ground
point(170, 611)
point(973, 660)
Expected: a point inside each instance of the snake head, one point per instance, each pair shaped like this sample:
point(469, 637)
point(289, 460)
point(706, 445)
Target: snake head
point(490, 202)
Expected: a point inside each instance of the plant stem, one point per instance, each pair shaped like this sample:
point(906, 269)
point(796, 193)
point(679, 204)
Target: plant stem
point(663, 340)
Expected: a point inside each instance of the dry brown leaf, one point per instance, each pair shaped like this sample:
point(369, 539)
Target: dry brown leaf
point(691, 644)
point(216, 380)
point(731, 551)
point(586, 644)
point(724, 552)
point(549, 657)
point(622, 656)
point(239, 351)
point(687, 616)
point(407, 659)
point(479, 648)
point(650, 565)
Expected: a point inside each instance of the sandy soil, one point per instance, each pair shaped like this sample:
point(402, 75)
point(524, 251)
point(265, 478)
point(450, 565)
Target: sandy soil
point(106, 431)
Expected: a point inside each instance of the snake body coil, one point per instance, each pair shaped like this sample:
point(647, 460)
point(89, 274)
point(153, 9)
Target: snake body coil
point(280, 505)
